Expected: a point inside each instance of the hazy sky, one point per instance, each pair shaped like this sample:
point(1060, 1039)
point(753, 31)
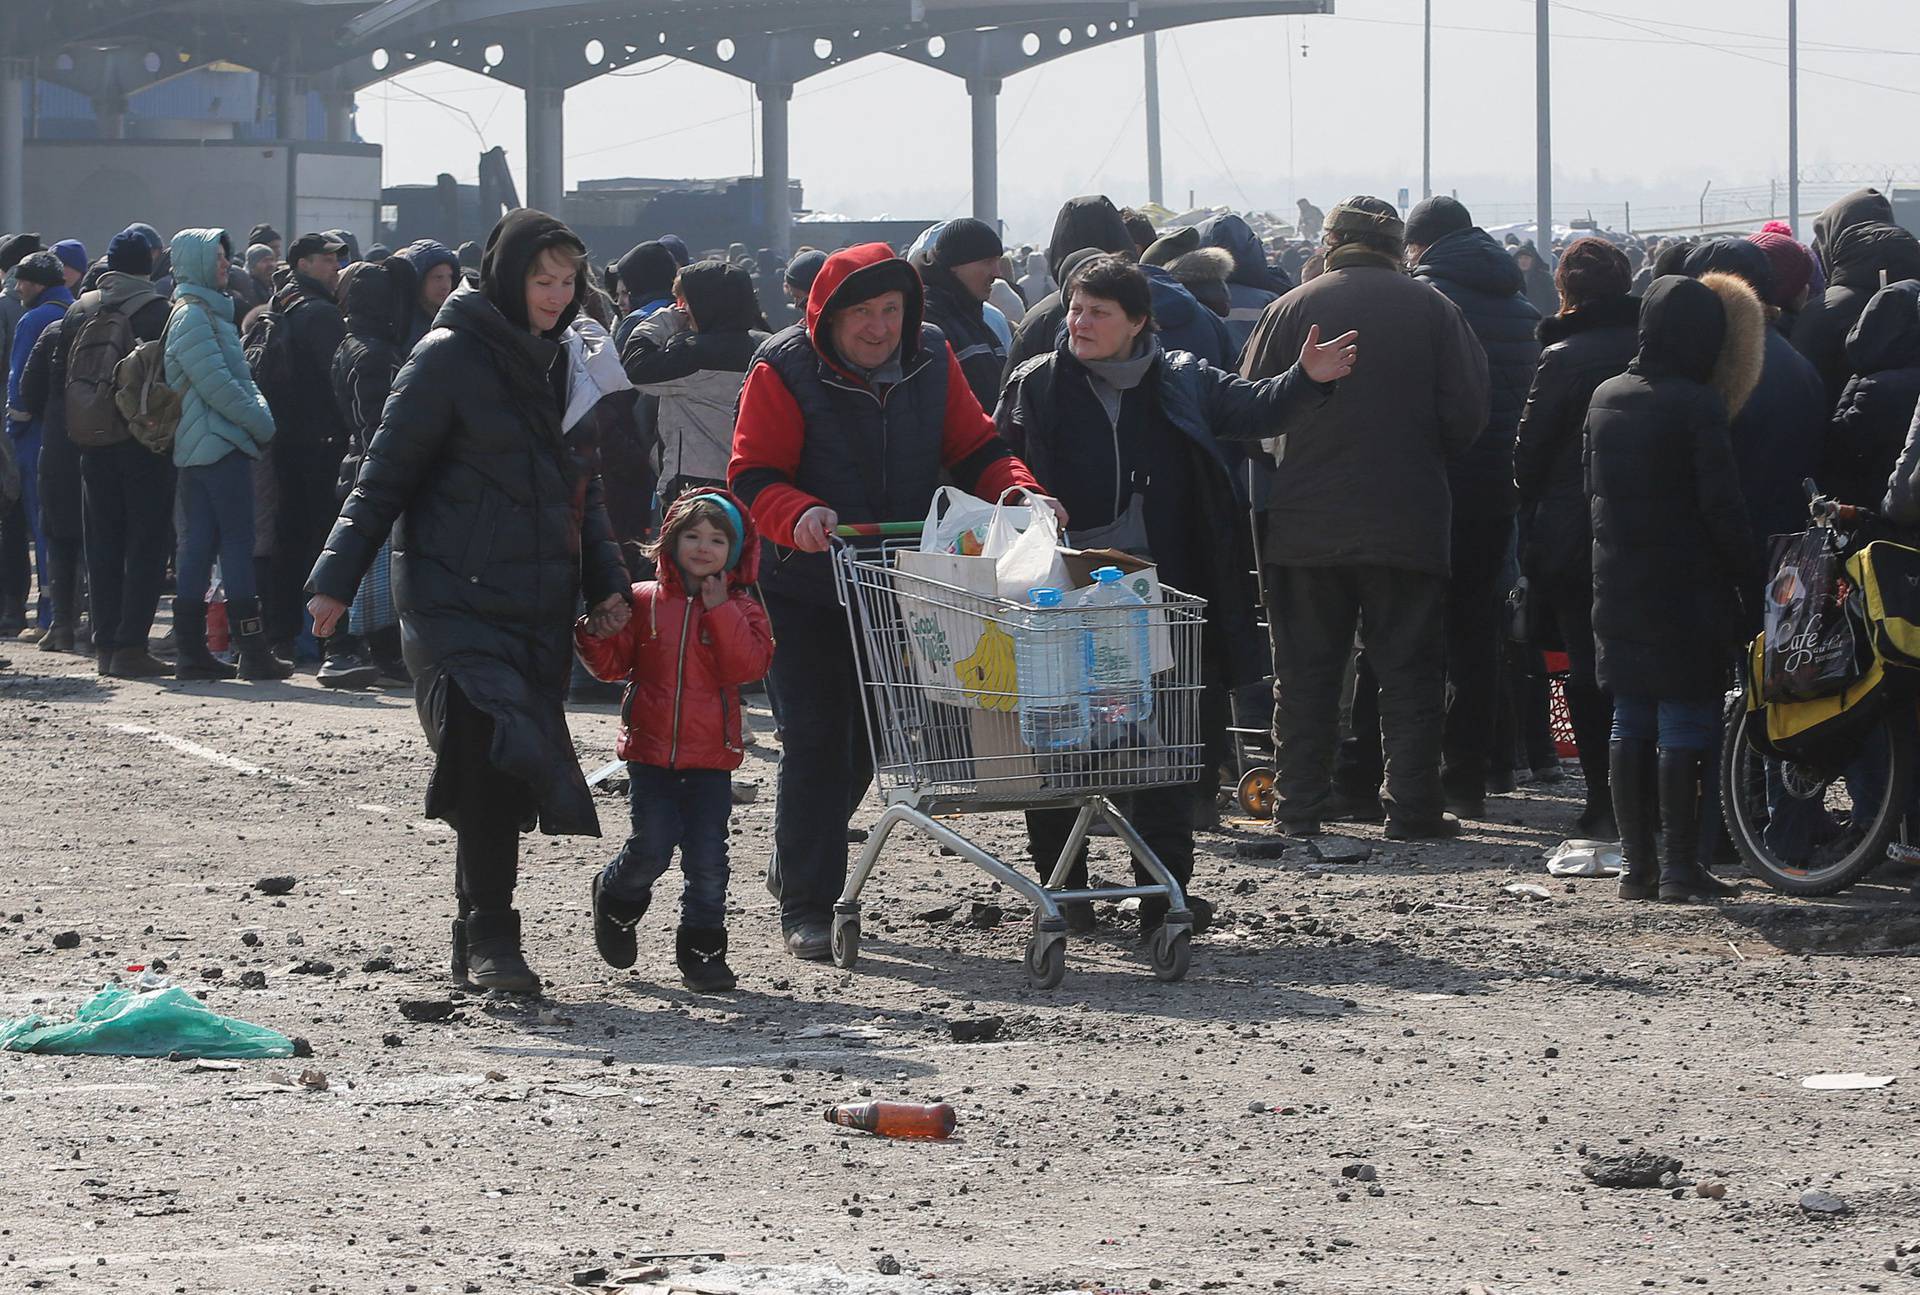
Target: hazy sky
point(1652, 99)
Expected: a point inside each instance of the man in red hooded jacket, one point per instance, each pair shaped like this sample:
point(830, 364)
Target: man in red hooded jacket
point(850, 417)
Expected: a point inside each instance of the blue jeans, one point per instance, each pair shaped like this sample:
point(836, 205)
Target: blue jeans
point(216, 520)
point(31, 537)
point(688, 808)
point(1676, 724)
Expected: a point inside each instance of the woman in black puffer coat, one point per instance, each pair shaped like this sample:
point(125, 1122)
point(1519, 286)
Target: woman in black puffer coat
point(1593, 338)
point(1673, 553)
point(496, 527)
point(1876, 408)
point(1860, 248)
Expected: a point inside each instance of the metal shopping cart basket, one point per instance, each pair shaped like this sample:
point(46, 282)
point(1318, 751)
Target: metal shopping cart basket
point(956, 729)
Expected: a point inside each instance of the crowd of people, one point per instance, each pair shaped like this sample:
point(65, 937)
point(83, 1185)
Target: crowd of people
point(1423, 455)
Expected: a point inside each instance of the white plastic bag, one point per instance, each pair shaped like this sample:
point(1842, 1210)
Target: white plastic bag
point(957, 523)
point(1025, 557)
point(1583, 858)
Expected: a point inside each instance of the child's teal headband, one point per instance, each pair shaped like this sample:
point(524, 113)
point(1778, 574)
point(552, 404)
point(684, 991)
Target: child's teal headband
point(732, 510)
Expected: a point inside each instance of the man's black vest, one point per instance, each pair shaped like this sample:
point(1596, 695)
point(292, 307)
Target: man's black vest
point(869, 457)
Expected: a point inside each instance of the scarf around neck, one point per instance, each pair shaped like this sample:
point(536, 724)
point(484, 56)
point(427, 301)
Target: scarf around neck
point(1112, 379)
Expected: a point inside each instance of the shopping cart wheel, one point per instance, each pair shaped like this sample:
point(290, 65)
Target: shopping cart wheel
point(1255, 792)
point(1171, 951)
point(1046, 959)
point(846, 939)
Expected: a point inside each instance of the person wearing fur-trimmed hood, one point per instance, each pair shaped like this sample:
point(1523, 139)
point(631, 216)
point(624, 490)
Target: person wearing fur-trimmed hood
point(1673, 552)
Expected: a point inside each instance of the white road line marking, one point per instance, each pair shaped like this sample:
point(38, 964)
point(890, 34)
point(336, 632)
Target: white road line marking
point(208, 754)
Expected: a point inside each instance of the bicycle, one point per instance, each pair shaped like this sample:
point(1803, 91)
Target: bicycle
point(1816, 825)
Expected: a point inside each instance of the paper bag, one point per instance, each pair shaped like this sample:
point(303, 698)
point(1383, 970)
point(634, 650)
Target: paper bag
point(946, 631)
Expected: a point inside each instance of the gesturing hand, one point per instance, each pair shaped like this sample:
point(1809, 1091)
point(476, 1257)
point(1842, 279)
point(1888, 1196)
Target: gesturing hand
point(1331, 361)
point(713, 591)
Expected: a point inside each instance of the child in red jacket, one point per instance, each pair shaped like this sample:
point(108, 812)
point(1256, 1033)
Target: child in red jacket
point(694, 637)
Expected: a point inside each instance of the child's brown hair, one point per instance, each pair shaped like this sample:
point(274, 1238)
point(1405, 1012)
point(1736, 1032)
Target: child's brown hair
point(696, 505)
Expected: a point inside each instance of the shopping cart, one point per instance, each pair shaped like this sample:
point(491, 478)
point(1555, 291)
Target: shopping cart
point(956, 729)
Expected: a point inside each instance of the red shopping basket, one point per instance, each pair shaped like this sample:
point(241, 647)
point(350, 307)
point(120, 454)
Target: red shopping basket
point(1561, 720)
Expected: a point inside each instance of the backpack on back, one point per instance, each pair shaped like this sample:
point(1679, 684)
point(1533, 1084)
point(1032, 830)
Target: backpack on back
point(150, 408)
point(94, 419)
point(269, 347)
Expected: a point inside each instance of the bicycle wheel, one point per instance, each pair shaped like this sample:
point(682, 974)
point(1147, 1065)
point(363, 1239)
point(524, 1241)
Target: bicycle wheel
point(1807, 829)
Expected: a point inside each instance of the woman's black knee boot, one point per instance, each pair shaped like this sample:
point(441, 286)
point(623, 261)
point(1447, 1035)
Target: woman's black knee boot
point(249, 628)
point(1634, 784)
point(1682, 878)
point(192, 660)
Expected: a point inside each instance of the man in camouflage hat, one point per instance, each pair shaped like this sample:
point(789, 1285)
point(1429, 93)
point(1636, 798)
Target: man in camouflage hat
point(1359, 518)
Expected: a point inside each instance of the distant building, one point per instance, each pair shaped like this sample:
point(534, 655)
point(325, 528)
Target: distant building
point(201, 148)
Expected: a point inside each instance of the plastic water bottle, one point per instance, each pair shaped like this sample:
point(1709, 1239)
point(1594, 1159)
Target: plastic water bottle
point(1051, 660)
point(1119, 655)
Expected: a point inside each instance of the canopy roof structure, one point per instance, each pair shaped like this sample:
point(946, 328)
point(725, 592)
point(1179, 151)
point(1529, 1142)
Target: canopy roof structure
point(108, 48)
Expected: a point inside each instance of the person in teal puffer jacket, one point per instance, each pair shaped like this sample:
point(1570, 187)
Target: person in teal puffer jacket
point(224, 426)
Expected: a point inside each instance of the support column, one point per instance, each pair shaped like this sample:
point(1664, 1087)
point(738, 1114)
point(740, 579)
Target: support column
point(1156, 186)
point(985, 95)
point(110, 111)
point(14, 78)
point(290, 106)
point(546, 132)
point(1543, 136)
point(1793, 115)
point(546, 141)
point(339, 111)
point(1426, 108)
point(775, 98)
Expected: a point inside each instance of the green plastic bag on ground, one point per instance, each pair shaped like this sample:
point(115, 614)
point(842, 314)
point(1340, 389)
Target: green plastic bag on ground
point(122, 1022)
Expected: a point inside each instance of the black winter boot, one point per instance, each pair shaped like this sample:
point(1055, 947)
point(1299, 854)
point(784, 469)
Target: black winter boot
point(137, 663)
point(193, 661)
point(63, 578)
point(1682, 878)
point(257, 661)
point(1635, 784)
point(494, 960)
point(613, 923)
point(702, 955)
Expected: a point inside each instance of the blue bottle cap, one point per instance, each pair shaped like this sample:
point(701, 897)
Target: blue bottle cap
point(1107, 575)
point(1045, 597)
